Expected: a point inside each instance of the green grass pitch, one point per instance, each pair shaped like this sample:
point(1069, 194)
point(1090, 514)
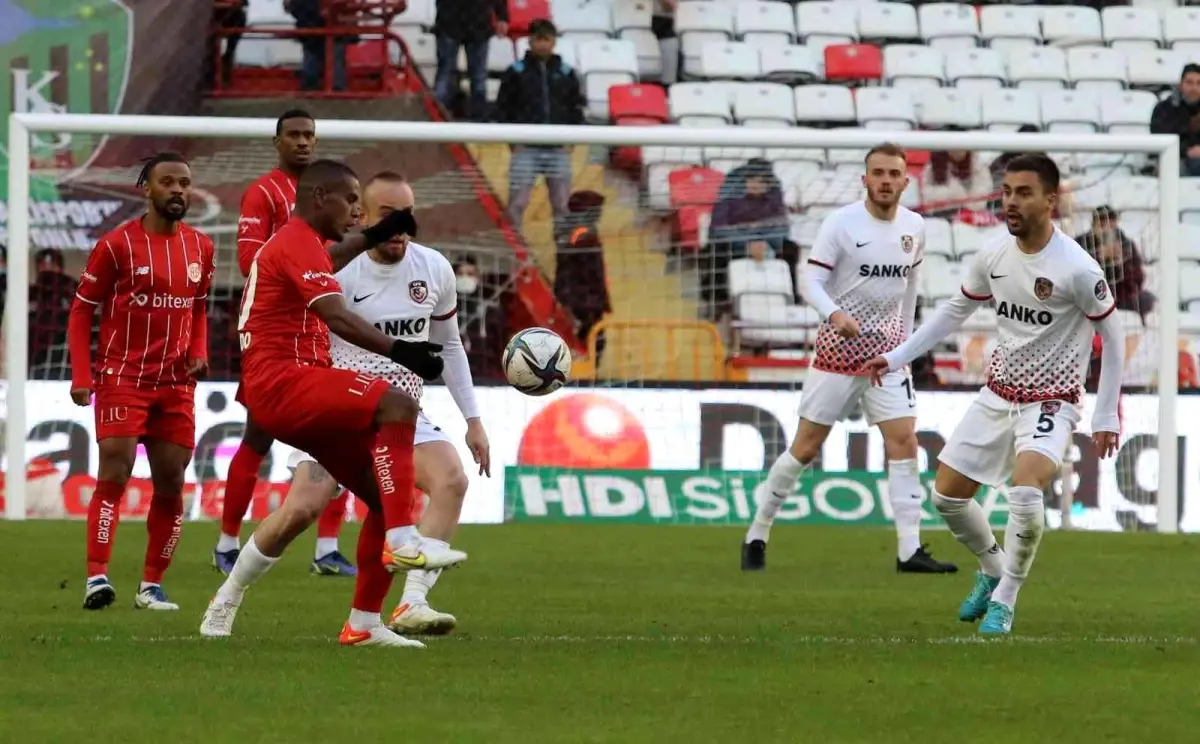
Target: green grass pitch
point(583, 633)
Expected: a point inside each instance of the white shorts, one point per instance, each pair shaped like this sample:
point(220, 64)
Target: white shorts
point(426, 432)
point(994, 431)
point(828, 397)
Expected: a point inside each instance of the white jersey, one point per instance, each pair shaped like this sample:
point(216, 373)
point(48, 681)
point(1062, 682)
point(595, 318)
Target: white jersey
point(400, 300)
point(870, 261)
point(1046, 304)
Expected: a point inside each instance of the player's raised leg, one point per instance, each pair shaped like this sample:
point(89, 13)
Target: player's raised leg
point(954, 499)
point(780, 484)
point(104, 514)
point(904, 493)
point(164, 521)
point(243, 475)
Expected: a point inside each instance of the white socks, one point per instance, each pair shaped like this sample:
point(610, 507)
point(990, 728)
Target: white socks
point(325, 546)
point(904, 491)
point(969, 525)
point(226, 543)
point(1026, 522)
point(398, 536)
point(250, 567)
point(781, 482)
point(361, 621)
point(417, 585)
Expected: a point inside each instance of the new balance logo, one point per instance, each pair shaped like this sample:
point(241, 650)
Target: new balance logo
point(141, 271)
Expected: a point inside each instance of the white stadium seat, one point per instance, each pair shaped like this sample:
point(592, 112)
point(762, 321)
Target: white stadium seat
point(939, 240)
point(609, 55)
point(698, 100)
point(1126, 108)
point(913, 65)
point(826, 20)
point(729, 60)
point(1126, 27)
point(1181, 24)
point(500, 54)
point(949, 25)
point(1071, 24)
point(1067, 111)
point(286, 53)
point(1189, 283)
point(1134, 193)
point(649, 52)
point(1097, 68)
point(1038, 68)
point(1005, 27)
point(887, 21)
point(757, 21)
point(945, 107)
point(940, 285)
point(1155, 69)
point(269, 13)
point(423, 48)
point(698, 22)
point(975, 68)
point(582, 17)
point(885, 108)
point(790, 64)
point(1008, 109)
point(749, 276)
point(1189, 241)
point(822, 103)
point(632, 14)
point(764, 101)
point(1189, 195)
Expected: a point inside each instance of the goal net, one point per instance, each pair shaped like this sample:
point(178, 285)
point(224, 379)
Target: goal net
point(666, 256)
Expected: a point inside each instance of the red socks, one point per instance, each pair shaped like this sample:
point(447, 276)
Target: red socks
point(239, 488)
point(334, 516)
point(392, 462)
point(163, 524)
point(373, 582)
point(104, 512)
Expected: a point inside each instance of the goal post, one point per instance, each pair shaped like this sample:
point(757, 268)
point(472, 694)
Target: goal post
point(22, 126)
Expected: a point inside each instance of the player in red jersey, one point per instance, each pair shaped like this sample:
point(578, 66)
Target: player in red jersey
point(150, 279)
point(356, 425)
point(266, 207)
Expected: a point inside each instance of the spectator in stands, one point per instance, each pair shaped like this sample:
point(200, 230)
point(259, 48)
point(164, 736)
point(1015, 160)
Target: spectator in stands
point(955, 180)
point(50, 298)
point(580, 278)
point(1179, 114)
point(540, 89)
point(662, 23)
point(1118, 255)
point(311, 14)
point(749, 210)
point(469, 24)
point(226, 14)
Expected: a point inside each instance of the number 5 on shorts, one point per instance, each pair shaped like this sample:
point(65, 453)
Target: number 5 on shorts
point(1045, 423)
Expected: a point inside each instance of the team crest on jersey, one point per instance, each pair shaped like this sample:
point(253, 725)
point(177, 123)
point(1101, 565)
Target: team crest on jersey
point(1051, 407)
point(1101, 289)
point(193, 273)
point(907, 243)
point(1042, 288)
point(418, 290)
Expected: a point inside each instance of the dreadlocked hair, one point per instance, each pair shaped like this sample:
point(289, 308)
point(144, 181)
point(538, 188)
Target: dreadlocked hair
point(149, 163)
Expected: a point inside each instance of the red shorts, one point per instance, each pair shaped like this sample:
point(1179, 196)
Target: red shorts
point(328, 413)
point(167, 414)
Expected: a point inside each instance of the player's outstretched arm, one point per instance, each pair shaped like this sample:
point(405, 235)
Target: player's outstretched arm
point(420, 357)
point(947, 319)
point(398, 222)
point(1106, 419)
point(457, 376)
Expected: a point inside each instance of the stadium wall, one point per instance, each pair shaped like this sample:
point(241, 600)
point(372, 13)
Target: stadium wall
point(729, 433)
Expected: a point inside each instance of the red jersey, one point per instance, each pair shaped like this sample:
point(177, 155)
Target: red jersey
point(291, 272)
point(266, 206)
point(152, 291)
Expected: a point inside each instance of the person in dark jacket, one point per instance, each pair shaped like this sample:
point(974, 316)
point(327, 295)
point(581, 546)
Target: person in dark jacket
point(1180, 114)
point(580, 279)
point(540, 89)
point(1118, 256)
point(50, 298)
point(468, 24)
point(311, 14)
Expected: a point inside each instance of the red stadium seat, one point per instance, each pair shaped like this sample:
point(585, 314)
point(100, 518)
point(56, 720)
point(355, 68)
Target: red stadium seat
point(693, 193)
point(629, 159)
point(523, 12)
point(641, 101)
point(366, 57)
point(853, 62)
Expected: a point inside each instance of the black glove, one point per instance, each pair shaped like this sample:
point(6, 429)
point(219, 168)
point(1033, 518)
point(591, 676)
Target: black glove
point(399, 222)
point(418, 356)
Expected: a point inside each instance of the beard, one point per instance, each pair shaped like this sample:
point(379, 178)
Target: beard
point(171, 210)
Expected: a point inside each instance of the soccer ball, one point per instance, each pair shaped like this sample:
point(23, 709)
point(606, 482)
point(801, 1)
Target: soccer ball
point(537, 361)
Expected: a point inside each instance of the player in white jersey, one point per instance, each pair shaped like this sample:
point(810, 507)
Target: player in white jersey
point(862, 277)
point(407, 291)
point(1051, 299)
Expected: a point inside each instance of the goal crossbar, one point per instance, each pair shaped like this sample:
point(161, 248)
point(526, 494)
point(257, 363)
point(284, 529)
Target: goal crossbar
point(23, 125)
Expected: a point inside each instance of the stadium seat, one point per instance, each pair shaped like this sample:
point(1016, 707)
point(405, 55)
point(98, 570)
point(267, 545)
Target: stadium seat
point(1154, 69)
point(826, 22)
point(286, 53)
point(975, 68)
point(824, 104)
point(948, 107)
point(764, 101)
point(913, 66)
point(1127, 27)
point(1126, 108)
point(770, 277)
point(638, 101)
point(1097, 68)
point(418, 14)
point(968, 239)
point(1007, 27)
point(1189, 195)
point(853, 62)
point(725, 159)
point(608, 56)
point(830, 189)
point(765, 23)
point(802, 229)
point(1008, 109)
point(632, 14)
point(1038, 68)
point(807, 155)
point(1137, 193)
point(729, 60)
point(1071, 24)
point(423, 48)
point(367, 57)
point(649, 52)
point(792, 175)
point(790, 64)
point(501, 54)
point(660, 163)
point(1189, 242)
point(885, 108)
point(1069, 111)
point(1189, 282)
point(698, 23)
point(1181, 25)
point(255, 52)
point(944, 284)
point(693, 191)
point(949, 25)
point(689, 100)
point(523, 12)
point(939, 239)
point(268, 13)
point(582, 17)
point(887, 21)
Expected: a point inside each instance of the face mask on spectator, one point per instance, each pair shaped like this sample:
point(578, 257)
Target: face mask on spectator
point(466, 285)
